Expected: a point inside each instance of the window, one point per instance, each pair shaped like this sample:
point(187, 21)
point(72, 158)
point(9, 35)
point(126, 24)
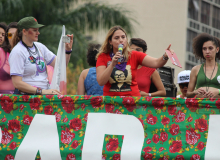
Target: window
point(190, 36)
point(216, 34)
point(189, 66)
point(193, 9)
point(205, 13)
point(217, 1)
point(189, 57)
point(216, 17)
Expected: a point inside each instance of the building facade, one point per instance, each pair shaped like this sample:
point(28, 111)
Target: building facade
point(203, 16)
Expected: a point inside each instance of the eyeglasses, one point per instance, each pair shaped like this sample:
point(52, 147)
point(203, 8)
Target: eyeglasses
point(9, 35)
point(182, 85)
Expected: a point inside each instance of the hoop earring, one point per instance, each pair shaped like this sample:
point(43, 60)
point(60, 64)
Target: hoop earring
point(110, 46)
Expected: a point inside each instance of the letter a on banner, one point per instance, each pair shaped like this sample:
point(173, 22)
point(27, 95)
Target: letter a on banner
point(99, 124)
point(42, 135)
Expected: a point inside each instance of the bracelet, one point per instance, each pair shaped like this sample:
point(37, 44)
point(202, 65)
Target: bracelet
point(149, 94)
point(38, 91)
point(68, 52)
point(165, 58)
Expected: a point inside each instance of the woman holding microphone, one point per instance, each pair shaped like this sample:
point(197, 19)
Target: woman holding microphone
point(119, 79)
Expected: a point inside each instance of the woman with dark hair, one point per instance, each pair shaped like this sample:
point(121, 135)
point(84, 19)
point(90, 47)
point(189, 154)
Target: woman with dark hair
point(107, 60)
point(28, 59)
point(6, 85)
point(3, 28)
point(205, 78)
point(87, 83)
point(146, 75)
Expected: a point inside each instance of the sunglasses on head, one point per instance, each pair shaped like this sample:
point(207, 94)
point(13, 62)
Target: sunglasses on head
point(182, 85)
point(9, 35)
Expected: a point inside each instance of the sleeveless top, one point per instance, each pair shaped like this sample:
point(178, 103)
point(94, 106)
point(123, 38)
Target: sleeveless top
point(91, 85)
point(4, 76)
point(143, 78)
point(201, 82)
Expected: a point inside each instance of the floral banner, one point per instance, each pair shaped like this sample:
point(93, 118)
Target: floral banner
point(174, 129)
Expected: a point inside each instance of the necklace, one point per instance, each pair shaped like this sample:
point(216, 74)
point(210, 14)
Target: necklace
point(31, 53)
point(207, 87)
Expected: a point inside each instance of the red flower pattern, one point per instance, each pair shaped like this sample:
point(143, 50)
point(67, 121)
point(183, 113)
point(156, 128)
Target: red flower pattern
point(161, 149)
point(67, 136)
point(35, 103)
point(179, 157)
point(174, 130)
point(25, 98)
point(58, 116)
point(109, 108)
point(176, 146)
point(71, 156)
point(155, 138)
point(12, 145)
point(148, 141)
point(116, 157)
point(201, 125)
point(148, 98)
point(27, 119)
point(48, 110)
point(96, 101)
point(165, 121)
point(142, 122)
point(49, 96)
point(14, 125)
point(180, 116)
point(163, 136)
point(195, 157)
point(129, 103)
point(86, 117)
point(9, 157)
point(217, 103)
point(147, 149)
point(192, 104)
point(83, 106)
point(21, 107)
point(74, 144)
point(75, 124)
point(112, 145)
point(7, 104)
point(148, 156)
point(200, 146)
point(192, 137)
point(6, 137)
point(117, 111)
point(158, 103)
point(151, 119)
point(172, 110)
point(67, 104)
point(190, 119)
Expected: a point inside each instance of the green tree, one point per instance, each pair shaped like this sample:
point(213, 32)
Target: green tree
point(77, 16)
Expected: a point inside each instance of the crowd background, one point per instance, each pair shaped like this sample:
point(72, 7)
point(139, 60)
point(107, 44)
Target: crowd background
point(148, 15)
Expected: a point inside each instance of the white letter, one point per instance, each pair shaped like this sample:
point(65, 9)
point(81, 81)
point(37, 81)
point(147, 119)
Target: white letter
point(42, 135)
point(213, 140)
point(0, 135)
point(99, 124)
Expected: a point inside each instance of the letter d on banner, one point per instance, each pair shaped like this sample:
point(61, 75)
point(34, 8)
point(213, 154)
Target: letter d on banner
point(99, 124)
